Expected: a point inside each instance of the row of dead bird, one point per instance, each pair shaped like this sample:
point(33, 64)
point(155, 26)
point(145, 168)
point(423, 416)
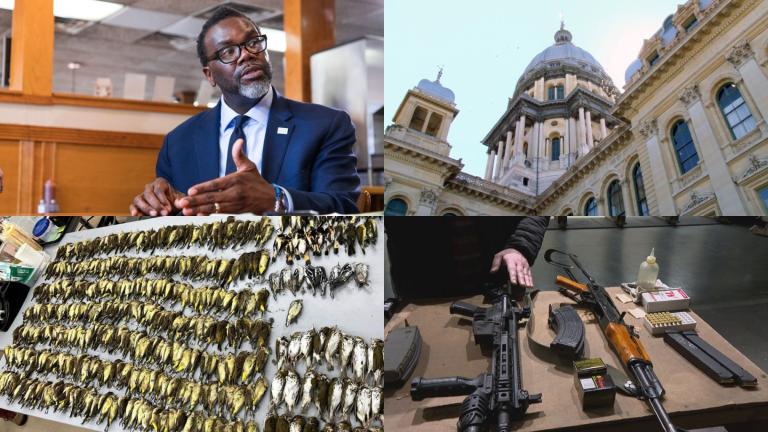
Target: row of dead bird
point(214, 235)
point(142, 349)
point(106, 408)
point(212, 300)
point(141, 414)
point(197, 267)
point(205, 330)
point(154, 385)
point(316, 279)
point(331, 396)
point(298, 237)
point(334, 349)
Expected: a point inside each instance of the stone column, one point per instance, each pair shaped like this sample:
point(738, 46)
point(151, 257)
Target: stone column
point(566, 137)
point(563, 154)
point(520, 136)
point(583, 149)
point(649, 130)
point(541, 147)
point(427, 202)
point(727, 193)
point(508, 151)
point(499, 161)
point(603, 129)
point(590, 138)
point(742, 57)
point(489, 165)
point(574, 136)
point(626, 195)
point(533, 148)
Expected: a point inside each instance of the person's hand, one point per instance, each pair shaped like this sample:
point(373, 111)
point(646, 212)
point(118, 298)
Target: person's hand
point(243, 191)
point(157, 199)
point(517, 267)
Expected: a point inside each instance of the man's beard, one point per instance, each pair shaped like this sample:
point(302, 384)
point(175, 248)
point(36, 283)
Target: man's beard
point(258, 88)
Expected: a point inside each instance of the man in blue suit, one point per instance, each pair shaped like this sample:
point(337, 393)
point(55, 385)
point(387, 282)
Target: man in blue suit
point(256, 151)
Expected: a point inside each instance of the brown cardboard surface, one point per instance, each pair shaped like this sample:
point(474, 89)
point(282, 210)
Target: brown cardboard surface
point(692, 398)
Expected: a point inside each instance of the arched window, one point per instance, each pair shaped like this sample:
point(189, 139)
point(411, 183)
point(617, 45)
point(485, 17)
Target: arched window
point(684, 147)
point(615, 201)
point(434, 124)
point(418, 119)
point(396, 207)
point(590, 208)
point(642, 202)
point(735, 111)
point(555, 149)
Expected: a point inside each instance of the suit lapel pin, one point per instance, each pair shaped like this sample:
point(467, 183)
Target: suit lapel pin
point(282, 131)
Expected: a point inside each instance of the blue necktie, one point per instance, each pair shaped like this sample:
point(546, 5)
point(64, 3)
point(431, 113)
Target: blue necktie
point(236, 134)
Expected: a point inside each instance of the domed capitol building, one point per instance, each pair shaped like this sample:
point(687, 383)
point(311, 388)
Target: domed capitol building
point(687, 136)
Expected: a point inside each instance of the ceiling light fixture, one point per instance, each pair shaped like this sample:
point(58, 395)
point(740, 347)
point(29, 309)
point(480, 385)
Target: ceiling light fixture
point(87, 10)
point(275, 39)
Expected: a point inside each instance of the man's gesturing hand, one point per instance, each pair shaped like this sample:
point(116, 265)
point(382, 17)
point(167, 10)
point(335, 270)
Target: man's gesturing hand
point(243, 191)
point(517, 267)
point(157, 199)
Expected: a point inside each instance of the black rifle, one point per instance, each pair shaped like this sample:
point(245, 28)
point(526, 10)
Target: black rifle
point(621, 337)
point(496, 394)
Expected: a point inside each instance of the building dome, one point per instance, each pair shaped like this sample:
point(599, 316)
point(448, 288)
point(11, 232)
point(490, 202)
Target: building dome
point(564, 52)
point(437, 90)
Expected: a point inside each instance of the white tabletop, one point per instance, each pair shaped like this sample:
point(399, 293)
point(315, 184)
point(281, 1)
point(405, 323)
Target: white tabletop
point(358, 312)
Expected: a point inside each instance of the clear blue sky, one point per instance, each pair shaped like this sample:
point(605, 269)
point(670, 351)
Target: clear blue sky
point(484, 46)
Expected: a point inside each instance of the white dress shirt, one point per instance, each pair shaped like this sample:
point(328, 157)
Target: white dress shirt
point(255, 129)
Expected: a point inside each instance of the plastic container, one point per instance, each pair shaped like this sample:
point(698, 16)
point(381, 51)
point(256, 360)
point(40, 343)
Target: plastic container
point(648, 273)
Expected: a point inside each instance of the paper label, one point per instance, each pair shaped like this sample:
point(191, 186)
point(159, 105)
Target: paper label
point(587, 384)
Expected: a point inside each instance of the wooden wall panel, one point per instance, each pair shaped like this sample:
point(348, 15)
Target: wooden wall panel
point(95, 172)
point(95, 179)
point(9, 162)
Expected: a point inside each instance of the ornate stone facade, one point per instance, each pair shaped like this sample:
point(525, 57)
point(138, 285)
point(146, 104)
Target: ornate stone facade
point(704, 75)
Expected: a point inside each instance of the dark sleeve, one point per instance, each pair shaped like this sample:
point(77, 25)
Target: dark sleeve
point(528, 236)
point(335, 183)
point(163, 166)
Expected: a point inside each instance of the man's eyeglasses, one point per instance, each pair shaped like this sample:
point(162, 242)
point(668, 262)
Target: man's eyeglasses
point(231, 53)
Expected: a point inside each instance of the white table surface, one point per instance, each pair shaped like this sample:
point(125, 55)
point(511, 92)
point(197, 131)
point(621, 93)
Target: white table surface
point(358, 312)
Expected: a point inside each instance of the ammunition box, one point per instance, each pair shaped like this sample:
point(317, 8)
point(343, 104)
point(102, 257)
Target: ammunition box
point(593, 384)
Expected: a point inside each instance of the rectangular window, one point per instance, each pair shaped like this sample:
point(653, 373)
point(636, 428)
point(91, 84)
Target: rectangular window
point(652, 60)
point(434, 124)
point(418, 119)
point(690, 24)
point(763, 193)
point(551, 93)
point(560, 92)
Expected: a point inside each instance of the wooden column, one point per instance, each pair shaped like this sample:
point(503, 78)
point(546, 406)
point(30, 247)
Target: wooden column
point(32, 47)
point(310, 28)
